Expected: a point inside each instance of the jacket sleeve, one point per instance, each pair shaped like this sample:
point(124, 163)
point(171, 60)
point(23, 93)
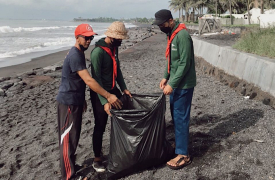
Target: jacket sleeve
point(120, 79)
point(183, 42)
point(96, 65)
point(166, 74)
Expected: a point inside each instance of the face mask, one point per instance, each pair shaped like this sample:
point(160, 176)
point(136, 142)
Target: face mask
point(166, 30)
point(82, 48)
point(116, 42)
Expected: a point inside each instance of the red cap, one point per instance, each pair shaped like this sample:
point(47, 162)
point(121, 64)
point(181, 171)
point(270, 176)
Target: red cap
point(84, 30)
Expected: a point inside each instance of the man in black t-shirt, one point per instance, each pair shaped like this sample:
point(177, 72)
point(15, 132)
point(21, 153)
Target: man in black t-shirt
point(71, 99)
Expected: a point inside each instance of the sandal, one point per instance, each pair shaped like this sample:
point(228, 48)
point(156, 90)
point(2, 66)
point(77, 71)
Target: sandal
point(187, 161)
point(98, 166)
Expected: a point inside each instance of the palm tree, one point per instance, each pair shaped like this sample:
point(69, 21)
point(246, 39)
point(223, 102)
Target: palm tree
point(248, 5)
point(270, 4)
point(176, 6)
point(214, 6)
point(228, 5)
point(256, 3)
point(240, 7)
point(180, 5)
point(187, 5)
point(262, 6)
point(266, 4)
point(198, 5)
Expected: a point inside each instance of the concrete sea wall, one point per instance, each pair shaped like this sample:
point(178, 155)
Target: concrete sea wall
point(257, 70)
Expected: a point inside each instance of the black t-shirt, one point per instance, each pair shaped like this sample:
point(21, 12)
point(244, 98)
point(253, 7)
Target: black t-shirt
point(72, 87)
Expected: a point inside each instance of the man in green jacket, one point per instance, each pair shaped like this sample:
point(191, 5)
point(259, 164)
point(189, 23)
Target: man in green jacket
point(106, 71)
point(180, 72)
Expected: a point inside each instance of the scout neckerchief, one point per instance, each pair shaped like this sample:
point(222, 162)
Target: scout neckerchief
point(112, 55)
point(169, 41)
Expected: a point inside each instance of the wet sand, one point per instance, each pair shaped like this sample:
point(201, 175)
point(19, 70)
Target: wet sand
point(230, 137)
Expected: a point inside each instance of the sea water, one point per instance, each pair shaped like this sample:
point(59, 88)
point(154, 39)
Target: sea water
point(23, 40)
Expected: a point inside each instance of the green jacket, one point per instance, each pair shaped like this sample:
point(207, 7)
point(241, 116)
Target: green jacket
point(102, 69)
point(182, 73)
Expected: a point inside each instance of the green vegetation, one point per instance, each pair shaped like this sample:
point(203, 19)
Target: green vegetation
point(143, 20)
point(107, 19)
point(99, 19)
point(258, 41)
point(192, 7)
point(247, 26)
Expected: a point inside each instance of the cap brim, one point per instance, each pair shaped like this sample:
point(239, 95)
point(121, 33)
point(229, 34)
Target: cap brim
point(89, 34)
point(158, 22)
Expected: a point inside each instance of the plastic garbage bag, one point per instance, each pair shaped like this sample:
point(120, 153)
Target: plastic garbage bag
point(137, 139)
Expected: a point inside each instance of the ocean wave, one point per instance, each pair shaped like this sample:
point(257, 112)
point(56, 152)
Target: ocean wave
point(59, 43)
point(8, 29)
point(56, 43)
point(20, 52)
point(129, 25)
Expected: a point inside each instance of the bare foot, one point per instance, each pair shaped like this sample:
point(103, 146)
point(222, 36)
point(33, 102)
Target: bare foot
point(179, 162)
point(97, 159)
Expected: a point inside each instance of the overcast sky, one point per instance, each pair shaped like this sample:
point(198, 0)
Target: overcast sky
point(69, 9)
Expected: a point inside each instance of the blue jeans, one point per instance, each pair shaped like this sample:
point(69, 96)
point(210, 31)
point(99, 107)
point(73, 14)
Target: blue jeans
point(180, 106)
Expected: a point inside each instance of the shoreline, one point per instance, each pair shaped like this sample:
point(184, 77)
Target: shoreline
point(37, 63)
point(34, 63)
point(136, 34)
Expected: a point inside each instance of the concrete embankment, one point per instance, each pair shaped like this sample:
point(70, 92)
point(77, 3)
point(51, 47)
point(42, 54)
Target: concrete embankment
point(255, 70)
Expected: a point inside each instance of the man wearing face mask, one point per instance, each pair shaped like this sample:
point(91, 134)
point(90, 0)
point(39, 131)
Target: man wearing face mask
point(105, 68)
point(71, 100)
point(180, 71)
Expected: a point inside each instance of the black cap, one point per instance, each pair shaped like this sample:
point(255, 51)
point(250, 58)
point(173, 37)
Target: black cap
point(162, 16)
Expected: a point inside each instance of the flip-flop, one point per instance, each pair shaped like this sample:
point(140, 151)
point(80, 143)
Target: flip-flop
point(178, 166)
point(78, 178)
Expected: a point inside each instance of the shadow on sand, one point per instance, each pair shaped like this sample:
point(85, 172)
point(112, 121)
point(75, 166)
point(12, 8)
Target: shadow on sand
point(219, 129)
point(209, 134)
point(204, 144)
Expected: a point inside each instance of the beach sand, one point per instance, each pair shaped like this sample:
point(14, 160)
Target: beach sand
point(230, 137)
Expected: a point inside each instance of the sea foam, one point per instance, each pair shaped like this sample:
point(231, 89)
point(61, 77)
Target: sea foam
point(8, 29)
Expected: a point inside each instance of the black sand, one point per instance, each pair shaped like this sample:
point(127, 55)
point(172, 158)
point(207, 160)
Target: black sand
point(230, 137)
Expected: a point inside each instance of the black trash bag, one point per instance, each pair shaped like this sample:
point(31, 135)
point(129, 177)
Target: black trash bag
point(137, 139)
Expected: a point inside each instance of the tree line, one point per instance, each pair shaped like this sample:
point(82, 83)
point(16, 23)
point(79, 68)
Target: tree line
point(108, 19)
point(99, 19)
point(217, 7)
